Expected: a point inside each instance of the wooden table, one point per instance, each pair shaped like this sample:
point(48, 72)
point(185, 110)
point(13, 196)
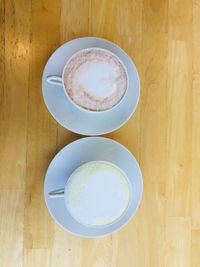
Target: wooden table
point(163, 38)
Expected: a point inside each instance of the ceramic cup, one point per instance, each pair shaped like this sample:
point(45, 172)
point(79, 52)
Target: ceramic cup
point(59, 81)
point(118, 198)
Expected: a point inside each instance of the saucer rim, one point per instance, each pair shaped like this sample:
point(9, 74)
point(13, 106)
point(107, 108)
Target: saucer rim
point(134, 107)
point(132, 215)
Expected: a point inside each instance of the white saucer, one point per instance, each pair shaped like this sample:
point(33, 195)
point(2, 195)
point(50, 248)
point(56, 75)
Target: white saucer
point(74, 155)
point(71, 117)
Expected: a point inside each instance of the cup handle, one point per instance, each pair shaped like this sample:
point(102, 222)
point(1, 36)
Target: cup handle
point(56, 80)
point(57, 193)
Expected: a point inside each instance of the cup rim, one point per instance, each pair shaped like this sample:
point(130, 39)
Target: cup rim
point(84, 109)
point(128, 204)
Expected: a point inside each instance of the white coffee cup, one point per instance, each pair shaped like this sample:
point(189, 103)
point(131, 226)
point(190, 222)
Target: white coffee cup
point(59, 81)
point(116, 193)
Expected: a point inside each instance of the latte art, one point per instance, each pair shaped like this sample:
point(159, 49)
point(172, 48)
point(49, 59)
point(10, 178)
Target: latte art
point(95, 79)
point(97, 193)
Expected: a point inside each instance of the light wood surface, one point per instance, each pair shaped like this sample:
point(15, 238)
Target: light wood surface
point(163, 38)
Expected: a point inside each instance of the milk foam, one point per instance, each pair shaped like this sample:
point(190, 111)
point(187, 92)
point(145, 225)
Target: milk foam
point(95, 79)
point(97, 193)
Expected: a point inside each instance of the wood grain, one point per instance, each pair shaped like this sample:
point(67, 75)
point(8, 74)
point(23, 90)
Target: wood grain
point(11, 225)
point(41, 129)
point(14, 92)
point(162, 37)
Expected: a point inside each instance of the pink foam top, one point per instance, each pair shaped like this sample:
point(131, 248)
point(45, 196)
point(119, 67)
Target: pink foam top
point(95, 79)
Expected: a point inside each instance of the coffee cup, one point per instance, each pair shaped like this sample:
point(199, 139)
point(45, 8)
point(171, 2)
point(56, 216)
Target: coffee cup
point(93, 80)
point(96, 194)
